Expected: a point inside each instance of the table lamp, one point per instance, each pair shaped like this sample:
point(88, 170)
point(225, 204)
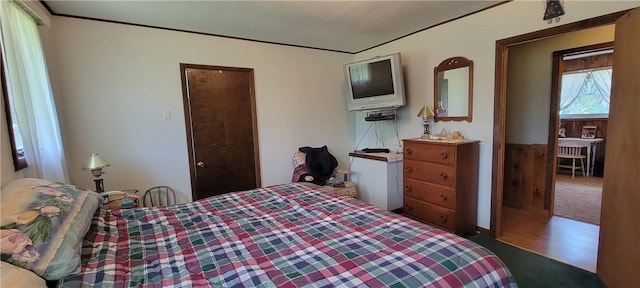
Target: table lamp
point(95, 164)
point(426, 113)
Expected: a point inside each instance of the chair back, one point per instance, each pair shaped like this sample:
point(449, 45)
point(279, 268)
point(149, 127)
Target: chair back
point(568, 150)
point(159, 196)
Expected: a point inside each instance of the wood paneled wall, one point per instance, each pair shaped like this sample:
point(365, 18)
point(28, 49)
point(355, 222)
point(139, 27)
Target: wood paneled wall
point(591, 62)
point(524, 177)
point(573, 128)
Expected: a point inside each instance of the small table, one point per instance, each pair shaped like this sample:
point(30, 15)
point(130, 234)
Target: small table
point(587, 143)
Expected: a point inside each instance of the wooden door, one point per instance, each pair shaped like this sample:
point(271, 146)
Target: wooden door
point(221, 128)
point(618, 251)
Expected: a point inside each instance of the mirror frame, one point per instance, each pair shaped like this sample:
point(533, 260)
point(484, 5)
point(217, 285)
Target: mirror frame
point(450, 64)
point(19, 162)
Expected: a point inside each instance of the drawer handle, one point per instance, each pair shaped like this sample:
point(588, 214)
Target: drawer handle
point(408, 207)
point(444, 155)
point(408, 169)
point(408, 188)
point(443, 176)
point(443, 197)
point(409, 151)
point(443, 218)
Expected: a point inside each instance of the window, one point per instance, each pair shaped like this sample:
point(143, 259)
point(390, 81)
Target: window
point(30, 108)
point(586, 94)
point(15, 138)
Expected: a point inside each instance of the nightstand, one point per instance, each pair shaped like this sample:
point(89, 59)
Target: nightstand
point(124, 199)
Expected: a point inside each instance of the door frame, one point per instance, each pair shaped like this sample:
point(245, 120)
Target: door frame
point(554, 118)
point(500, 106)
point(189, 129)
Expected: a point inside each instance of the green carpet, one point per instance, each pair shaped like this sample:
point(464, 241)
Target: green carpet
point(532, 270)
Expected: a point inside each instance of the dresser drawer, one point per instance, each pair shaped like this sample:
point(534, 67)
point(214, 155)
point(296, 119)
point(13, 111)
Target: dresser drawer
point(430, 172)
point(429, 213)
point(436, 194)
point(441, 154)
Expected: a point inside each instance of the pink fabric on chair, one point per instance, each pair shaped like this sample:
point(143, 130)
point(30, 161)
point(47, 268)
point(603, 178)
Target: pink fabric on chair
point(301, 174)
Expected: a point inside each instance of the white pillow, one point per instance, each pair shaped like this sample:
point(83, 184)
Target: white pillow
point(13, 276)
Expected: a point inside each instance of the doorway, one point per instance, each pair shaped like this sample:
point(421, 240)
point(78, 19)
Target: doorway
point(582, 103)
point(500, 114)
point(221, 125)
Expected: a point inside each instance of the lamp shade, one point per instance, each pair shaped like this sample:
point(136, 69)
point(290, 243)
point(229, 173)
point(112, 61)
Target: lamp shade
point(96, 162)
point(425, 112)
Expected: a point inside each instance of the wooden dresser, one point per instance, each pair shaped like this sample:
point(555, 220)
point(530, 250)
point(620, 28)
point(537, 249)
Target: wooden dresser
point(441, 183)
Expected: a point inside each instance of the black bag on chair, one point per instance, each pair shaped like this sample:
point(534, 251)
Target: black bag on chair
point(320, 163)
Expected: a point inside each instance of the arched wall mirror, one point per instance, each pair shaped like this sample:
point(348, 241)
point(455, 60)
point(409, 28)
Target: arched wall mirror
point(453, 90)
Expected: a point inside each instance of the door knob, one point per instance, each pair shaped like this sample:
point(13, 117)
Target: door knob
point(200, 164)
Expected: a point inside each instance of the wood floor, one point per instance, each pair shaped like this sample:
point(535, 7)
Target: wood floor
point(562, 239)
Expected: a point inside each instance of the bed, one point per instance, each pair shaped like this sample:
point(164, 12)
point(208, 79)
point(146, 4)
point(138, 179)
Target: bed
point(289, 235)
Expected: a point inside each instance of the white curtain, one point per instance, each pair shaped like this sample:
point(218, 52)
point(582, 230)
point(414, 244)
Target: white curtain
point(30, 92)
point(602, 79)
point(571, 84)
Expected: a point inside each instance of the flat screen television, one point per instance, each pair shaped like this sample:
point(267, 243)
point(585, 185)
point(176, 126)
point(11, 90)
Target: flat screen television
point(375, 84)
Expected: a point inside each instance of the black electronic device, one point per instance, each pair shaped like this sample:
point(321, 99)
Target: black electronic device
point(375, 150)
point(379, 117)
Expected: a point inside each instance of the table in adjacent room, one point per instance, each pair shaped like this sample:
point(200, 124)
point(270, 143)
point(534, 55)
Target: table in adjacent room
point(590, 144)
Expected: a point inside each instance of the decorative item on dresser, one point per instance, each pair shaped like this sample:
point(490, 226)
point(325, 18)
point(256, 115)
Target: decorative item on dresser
point(426, 113)
point(441, 183)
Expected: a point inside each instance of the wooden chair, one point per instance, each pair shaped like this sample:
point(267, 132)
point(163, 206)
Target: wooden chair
point(572, 152)
point(159, 196)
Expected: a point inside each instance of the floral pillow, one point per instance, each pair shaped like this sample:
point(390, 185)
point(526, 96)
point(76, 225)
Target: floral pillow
point(43, 224)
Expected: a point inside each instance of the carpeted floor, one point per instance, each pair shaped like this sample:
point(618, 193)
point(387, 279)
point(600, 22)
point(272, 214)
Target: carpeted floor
point(578, 198)
point(532, 270)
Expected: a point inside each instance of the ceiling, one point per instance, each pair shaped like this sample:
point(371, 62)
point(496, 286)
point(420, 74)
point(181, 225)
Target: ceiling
point(343, 26)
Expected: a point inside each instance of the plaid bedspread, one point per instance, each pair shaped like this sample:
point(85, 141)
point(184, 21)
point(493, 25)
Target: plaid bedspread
point(291, 235)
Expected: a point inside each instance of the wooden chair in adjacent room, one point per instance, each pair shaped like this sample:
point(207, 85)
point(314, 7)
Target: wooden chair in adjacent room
point(573, 153)
point(159, 196)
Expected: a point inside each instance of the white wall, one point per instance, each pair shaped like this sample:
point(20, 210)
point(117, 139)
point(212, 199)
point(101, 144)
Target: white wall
point(117, 80)
point(529, 73)
point(473, 37)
